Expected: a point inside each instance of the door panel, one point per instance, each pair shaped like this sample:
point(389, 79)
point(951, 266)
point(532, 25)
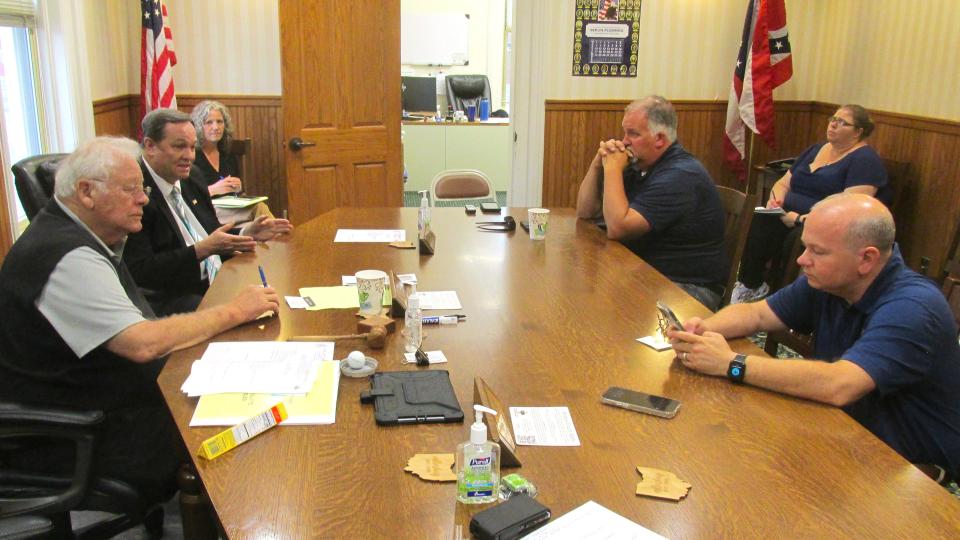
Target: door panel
point(341, 92)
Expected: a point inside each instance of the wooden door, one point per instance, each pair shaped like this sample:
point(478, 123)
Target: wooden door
point(341, 96)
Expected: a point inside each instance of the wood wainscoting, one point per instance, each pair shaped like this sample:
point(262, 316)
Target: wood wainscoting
point(573, 129)
point(255, 117)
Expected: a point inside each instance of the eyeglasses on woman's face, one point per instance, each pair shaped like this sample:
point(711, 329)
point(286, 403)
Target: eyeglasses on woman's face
point(839, 122)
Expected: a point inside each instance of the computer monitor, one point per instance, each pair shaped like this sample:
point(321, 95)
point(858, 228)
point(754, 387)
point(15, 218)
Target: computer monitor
point(419, 94)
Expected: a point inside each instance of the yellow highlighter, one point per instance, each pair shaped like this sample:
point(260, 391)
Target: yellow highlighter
point(244, 431)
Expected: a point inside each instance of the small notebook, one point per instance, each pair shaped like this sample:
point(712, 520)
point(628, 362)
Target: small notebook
point(413, 397)
point(778, 211)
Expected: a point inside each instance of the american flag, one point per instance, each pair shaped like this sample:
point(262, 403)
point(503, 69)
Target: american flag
point(763, 64)
point(156, 59)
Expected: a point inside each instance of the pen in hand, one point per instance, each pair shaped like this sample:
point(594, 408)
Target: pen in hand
point(263, 277)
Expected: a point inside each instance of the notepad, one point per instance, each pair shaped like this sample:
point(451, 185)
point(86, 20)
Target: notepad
point(338, 297)
point(778, 211)
point(237, 202)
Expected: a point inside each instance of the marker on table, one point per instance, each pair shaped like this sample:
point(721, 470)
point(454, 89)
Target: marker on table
point(443, 319)
point(263, 277)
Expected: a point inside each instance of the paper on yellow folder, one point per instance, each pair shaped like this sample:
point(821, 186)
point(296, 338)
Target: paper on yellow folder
point(319, 406)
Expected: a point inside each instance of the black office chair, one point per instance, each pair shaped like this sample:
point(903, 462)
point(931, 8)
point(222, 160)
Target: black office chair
point(26, 528)
point(464, 90)
point(34, 177)
point(27, 492)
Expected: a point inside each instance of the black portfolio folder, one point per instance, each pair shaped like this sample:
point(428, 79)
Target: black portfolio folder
point(412, 397)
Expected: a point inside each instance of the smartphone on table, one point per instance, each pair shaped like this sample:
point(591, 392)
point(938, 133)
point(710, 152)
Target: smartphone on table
point(641, 402)
point(489, 207)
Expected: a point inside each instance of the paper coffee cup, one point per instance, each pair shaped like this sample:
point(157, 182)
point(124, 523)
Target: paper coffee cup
point(538, 218)
point(370, 286)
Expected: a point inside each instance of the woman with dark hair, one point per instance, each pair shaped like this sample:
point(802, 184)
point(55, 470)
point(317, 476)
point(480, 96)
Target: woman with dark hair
point(844, 163)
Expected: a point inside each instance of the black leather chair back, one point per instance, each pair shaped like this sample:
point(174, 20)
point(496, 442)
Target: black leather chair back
point(464, 90)
point(34, 177)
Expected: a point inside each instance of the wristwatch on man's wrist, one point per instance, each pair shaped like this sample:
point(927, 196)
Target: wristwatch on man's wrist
point(798, 222)
point(737, 369)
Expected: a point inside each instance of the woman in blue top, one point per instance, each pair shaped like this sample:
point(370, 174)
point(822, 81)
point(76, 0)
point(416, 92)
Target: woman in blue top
point(842, 164)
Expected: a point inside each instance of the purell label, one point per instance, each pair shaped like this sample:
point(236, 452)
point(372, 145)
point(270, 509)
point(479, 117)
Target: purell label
point(480, 461)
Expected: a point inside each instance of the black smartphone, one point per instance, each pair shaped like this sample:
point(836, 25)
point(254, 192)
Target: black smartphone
point(669, 315)
point(640, 402)
point(470, 209)
point(489, 207)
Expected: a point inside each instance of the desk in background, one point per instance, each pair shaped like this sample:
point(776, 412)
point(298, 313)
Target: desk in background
point(549, 323)
point(430, 148)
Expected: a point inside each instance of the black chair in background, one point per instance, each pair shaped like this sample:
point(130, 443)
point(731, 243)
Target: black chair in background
point(26, 527)
point(464, 90)
point(28, 492)
point(33, 177)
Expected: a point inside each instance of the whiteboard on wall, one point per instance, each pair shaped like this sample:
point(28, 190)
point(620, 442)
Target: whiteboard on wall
point(434, 39)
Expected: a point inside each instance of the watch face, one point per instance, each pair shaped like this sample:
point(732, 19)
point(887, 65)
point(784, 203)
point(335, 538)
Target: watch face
point(737, 368)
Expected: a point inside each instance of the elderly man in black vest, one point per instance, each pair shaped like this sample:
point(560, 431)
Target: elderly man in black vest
point(77, 332)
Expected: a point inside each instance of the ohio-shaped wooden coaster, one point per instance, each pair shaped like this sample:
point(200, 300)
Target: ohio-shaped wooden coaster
point(661, 484)
point(432, 467)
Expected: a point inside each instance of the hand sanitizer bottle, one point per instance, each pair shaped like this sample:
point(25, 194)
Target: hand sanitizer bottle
point(412, 324)
point(423, 216)
point(478, 464)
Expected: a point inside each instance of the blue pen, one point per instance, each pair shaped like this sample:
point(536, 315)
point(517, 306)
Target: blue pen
point(263, 277)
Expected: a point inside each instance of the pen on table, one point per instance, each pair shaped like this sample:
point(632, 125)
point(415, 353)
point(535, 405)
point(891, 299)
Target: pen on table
point(263, 277)
point(443, 319)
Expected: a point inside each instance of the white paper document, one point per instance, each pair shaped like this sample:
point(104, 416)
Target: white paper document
point(407, 278)
point(778, 211)
point(370, 235)
point(543, 426)
point(656, 342)
point(439, 300)
point(296, 302)
point(261, 367)
point(590, 521)
point(435, 357)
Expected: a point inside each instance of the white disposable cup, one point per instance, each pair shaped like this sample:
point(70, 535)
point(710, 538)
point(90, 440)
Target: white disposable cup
point(538, 219)
point(370, 286)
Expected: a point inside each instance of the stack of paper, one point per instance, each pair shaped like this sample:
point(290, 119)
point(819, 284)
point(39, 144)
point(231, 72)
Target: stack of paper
point(240, 379)
point(593, 521)
point(269, 367)
point(370, 235)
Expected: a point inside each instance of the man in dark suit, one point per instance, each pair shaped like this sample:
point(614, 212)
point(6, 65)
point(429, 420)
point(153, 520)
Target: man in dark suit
point(177, 254)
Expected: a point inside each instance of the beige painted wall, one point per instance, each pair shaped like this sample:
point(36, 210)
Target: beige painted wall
point(113, 46)
point(486, 40)
point(889, 55)
point(885, 54)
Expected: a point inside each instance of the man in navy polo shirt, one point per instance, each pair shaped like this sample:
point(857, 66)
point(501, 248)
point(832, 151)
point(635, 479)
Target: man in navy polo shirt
point(885, 333)
point(659, 201)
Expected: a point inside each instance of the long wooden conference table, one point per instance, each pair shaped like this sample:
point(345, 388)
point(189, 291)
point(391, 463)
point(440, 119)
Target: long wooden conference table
point(550, 323)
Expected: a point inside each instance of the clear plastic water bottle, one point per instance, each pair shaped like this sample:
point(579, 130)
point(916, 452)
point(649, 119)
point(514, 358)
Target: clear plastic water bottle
point(412, 324)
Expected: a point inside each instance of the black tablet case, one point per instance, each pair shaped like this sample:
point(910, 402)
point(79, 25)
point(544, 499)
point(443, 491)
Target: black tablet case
point(413, 397)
